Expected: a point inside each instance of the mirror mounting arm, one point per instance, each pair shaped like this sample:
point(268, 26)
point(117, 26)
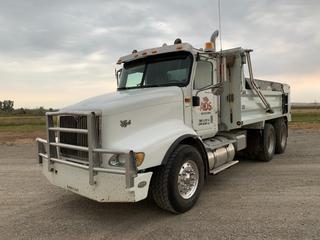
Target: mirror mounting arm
point(212, 87)
point(117, 74)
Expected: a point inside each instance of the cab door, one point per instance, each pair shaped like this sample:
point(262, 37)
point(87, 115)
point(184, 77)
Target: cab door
point(205, 103)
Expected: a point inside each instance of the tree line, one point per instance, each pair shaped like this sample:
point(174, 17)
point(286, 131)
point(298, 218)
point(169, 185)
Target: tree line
point(6, 108)
point(6, 105)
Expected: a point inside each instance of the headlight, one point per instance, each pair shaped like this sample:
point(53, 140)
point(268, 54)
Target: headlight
point(117, 160)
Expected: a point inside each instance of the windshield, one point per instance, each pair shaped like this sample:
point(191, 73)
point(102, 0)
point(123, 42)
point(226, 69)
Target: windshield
point(156, 71)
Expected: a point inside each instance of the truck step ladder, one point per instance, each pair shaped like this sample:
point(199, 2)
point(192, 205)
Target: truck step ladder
point(223, 167)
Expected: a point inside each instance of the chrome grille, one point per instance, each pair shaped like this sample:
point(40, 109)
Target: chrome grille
point(78, 139)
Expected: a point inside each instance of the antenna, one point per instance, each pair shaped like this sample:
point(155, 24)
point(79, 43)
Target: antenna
point(219, 16)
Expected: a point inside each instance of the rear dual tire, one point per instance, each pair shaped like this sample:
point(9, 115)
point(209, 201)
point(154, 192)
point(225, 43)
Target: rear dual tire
point(281, 129)
point(263, 144)
point(267, 144)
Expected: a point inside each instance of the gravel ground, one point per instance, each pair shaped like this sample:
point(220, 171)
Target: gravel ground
point(252, 200)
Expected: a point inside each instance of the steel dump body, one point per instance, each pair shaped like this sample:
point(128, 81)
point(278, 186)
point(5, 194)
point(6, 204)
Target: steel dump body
point(253, 112)
point(240, 105)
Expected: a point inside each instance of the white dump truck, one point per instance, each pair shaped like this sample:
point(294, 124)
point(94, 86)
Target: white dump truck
point(179, 114)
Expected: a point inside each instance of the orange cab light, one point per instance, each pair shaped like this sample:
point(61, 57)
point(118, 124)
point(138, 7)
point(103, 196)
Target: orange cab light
point(187, 100)
point(209, 45)
point(139, 158)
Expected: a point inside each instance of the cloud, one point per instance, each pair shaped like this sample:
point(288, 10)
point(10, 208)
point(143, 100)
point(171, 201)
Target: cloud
point(68, 46)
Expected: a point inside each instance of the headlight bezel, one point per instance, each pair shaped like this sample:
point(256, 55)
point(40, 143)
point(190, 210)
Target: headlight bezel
point(119, 160)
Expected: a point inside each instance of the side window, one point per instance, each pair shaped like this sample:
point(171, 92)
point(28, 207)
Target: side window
point(179, 75)
point(134, 79)
point(204, 75)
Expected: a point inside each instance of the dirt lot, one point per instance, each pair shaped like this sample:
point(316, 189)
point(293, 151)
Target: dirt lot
point(252, 200)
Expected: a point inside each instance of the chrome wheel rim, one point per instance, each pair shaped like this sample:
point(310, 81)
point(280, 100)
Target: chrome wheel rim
point(188, 179)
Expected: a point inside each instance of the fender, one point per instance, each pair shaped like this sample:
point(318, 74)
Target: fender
point(190, 139)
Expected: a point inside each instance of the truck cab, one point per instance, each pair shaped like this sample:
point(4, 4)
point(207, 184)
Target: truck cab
point(179, 114)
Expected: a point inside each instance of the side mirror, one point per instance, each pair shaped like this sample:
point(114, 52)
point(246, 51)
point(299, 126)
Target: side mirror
point(217, 89)
point(117, 74)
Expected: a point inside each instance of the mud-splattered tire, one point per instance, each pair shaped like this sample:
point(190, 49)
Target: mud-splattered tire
point(177, 185)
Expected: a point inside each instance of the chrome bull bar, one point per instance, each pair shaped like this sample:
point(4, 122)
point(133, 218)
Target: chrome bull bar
point(49, 149)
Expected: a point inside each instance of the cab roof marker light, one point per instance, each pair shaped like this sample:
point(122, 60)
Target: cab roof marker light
point(209, 46)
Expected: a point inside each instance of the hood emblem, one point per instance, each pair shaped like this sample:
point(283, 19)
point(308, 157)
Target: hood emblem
point(125, 123)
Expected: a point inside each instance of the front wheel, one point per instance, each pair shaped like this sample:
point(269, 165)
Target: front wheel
point(177, 185)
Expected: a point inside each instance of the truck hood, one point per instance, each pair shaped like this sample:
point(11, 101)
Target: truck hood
point(128, 100)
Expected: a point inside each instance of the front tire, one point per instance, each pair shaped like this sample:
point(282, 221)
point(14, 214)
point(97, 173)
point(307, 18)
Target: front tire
point(177, 185)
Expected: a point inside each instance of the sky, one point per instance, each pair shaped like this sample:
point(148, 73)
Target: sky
point(55, 53)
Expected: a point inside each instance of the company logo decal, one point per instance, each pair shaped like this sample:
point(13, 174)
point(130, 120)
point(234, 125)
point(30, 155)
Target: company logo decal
point(205, 105)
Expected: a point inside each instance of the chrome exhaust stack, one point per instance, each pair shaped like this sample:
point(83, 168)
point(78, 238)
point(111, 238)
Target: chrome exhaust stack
point(213, 39)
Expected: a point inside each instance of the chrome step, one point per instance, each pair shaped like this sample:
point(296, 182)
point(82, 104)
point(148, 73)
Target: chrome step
point(223, 167)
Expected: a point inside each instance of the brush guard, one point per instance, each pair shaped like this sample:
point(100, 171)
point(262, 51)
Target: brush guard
point(49, 149)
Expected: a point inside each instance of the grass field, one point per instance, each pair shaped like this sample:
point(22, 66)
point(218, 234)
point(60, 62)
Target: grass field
point(306, 116)
point(14, 128)
point(21, 129)
point(22, 123)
